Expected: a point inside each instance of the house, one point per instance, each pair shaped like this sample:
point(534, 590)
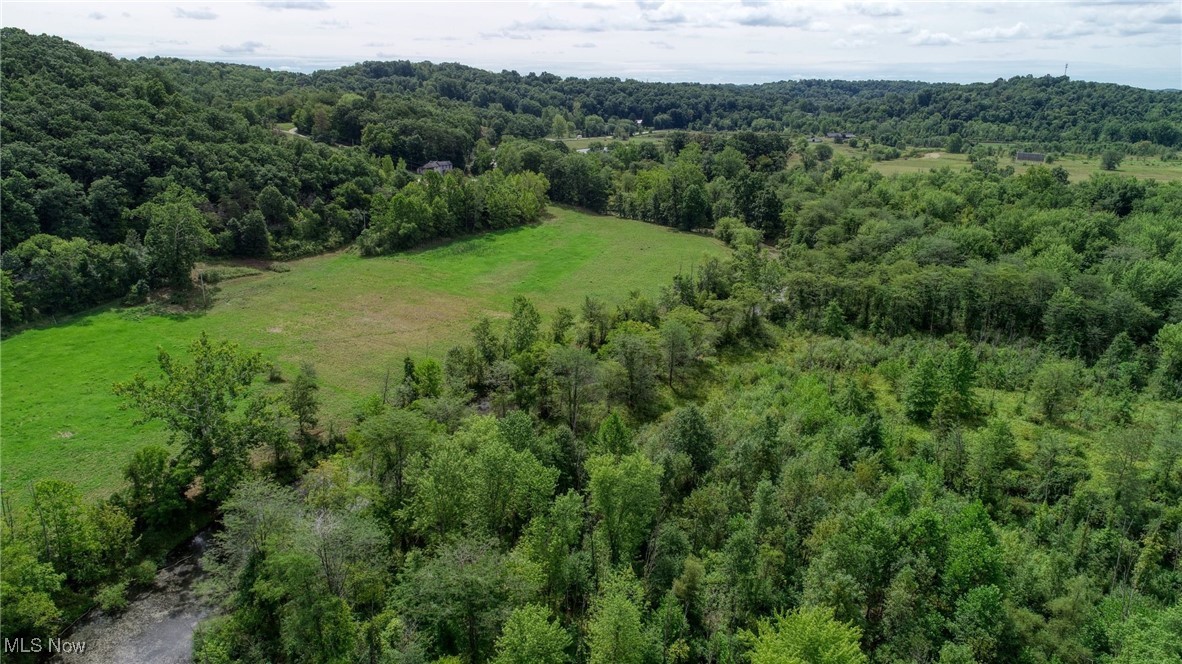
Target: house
point(437, 166)
point(1030, 156)
point(835, 135)
point(816, 139)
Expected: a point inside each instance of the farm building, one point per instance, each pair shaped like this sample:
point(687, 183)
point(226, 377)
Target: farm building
point(1030, 156)
point(437, 166)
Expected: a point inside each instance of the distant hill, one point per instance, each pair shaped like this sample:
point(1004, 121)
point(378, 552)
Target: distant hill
point(1045, 109)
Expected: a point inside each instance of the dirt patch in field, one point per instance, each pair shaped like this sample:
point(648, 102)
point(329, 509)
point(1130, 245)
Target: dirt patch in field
point(933, 155)
point(373, 330)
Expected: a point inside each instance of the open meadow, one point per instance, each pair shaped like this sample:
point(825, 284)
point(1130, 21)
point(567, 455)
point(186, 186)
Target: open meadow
point(586, 142)
point(1078, 167)
point(351, 317)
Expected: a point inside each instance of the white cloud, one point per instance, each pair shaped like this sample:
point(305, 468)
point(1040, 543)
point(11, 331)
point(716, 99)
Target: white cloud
point(1115, 3)
point(96, 16)
point(756, 14)
point(884, 28)
point(774, 17)
point(203, 14)
point(244, 47)
point(996, 34)
point(550, 23)
point(312, 5)
point(875, 8)
point(585, 45)
point(929, 38)
point(664, 13)
point(1069, 31)
point(506, 34)
point(689, 40)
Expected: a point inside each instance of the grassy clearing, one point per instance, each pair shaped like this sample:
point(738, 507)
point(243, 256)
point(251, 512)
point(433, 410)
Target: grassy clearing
point(1078, 167)
point(215, 274)
point(351, 317)
point(580, 143)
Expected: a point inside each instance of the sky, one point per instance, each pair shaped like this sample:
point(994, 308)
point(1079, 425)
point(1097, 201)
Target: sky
point(1131, 42)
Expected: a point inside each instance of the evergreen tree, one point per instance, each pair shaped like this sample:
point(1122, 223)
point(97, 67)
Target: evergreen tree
point(614, 436)
point(923, 389)
point(523, 325)
point(958, 377)
point(833, 322)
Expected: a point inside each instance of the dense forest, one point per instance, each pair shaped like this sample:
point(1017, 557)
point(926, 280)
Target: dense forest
point(920, 418)
point(118, 175)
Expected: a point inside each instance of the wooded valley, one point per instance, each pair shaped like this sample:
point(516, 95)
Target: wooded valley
point(920, 417)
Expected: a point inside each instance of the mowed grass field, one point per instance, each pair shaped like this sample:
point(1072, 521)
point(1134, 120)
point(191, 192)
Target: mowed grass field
point(352, 318)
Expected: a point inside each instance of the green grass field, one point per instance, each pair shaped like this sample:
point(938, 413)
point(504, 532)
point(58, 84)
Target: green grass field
point(580, 143)
point(351, 317)
point(1078, 167)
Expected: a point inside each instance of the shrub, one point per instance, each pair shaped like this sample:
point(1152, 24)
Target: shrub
point(142, 574)
point(112, 598)
point(138, 294)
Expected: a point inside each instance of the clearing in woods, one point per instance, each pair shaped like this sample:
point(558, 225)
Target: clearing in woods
point(1078, 167)
point(352, 318)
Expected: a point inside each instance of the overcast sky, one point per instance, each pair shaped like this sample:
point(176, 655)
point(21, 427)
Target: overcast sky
point(1132, 42)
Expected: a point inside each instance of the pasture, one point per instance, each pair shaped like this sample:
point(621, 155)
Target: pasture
point(352, 318)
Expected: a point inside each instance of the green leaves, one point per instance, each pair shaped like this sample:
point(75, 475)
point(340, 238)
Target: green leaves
point(615, 634)
point(177, 235)
point(806, 636)
point(531, 637)
point(923, 391)
point(625, 494)
point(462, 595)
point(201, 403)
